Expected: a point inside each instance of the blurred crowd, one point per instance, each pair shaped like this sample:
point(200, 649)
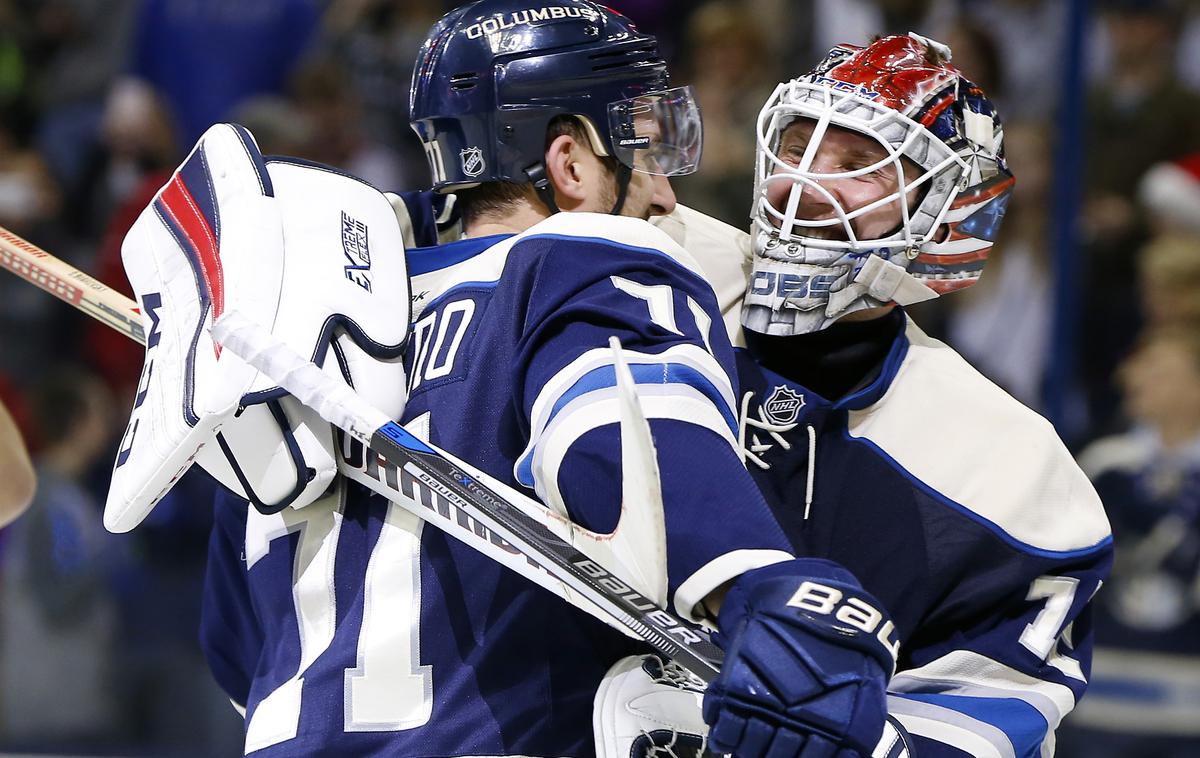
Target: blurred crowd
point(100, 99)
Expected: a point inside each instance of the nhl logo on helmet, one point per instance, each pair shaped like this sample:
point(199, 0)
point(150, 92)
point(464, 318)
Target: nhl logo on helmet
point(472, 161)
point(783, 406)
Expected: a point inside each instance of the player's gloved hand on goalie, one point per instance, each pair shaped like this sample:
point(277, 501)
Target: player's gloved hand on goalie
point(808, 654)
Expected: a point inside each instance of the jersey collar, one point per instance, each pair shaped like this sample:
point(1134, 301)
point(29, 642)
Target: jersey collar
point(426, 260)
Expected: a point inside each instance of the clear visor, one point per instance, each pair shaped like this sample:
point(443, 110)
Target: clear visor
point(658, 133)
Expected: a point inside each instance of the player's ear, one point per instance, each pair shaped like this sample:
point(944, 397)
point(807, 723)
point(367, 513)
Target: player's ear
point(567, 169)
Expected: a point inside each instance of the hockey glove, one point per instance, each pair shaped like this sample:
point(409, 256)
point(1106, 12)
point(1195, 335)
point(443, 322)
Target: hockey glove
point(216, 238)
point(808, 657)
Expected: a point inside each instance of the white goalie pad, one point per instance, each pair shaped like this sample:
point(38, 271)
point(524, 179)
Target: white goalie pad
point(332, 285)
point(177, 258)
point(344, 286)
point(647, 709)
point(274, 454)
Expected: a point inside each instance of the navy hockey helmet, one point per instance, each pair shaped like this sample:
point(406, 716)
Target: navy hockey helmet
point(492, 75)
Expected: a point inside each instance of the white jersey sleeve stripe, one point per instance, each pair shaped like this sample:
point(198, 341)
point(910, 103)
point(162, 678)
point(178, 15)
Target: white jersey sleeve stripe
point(1025, 729)
point(539, 466)
point(677, 377)
point(964, 672)
point(973, 737)
point(704, 370)
point(716, 572)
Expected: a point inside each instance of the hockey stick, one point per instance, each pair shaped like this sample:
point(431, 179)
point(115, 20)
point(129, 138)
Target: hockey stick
point(68, 283)
point(437, 488)
point(489, 505)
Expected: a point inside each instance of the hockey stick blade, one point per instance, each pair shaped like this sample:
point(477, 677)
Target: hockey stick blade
point(338, 404)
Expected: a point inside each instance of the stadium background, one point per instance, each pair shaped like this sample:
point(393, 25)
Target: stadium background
point(100, 99)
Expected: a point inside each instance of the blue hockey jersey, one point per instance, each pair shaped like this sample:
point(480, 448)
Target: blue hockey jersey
point(963, 513)
point(349, 628)
point(1146, 673)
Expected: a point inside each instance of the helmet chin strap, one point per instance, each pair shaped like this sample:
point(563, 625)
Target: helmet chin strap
point(541, 185)
point(545, 192)
point(882, 281)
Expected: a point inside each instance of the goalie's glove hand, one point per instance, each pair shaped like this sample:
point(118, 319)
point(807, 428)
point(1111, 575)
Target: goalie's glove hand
point(808, 654)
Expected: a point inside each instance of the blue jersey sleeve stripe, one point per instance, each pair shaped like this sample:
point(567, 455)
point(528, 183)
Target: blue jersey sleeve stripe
point(950, 727)
point(1025, 727)
point(967, 673)
point(555, 446)
point(647, 373)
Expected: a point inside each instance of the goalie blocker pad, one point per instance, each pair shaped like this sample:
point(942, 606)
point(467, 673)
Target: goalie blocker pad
point(311, 253)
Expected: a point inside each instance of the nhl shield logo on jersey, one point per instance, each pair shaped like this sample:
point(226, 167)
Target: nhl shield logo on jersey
point(783, 406)
point(472, 161)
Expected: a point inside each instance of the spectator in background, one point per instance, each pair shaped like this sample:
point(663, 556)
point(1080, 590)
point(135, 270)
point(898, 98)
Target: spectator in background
point(17, 479)
point(1169, 273)
point(136, 153)
point(59, 620)
point(1144, 699)
point(1139, 115)
point(731, 77)
point(30, 202)
point(1170, 193)
point(1029, 37)
point(278, 125)
point(206, 57)
point(76, 48)
point(321, 90)
point(977, 54)
point(376, 42)
point(136, 139)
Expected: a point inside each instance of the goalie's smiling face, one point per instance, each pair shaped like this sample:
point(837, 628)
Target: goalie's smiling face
point(840, 151)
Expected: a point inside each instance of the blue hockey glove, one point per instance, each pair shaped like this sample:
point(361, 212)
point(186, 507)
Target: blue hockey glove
point(808, 654)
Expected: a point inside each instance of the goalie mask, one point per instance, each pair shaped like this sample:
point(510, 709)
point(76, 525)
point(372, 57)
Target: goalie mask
point(880, 179)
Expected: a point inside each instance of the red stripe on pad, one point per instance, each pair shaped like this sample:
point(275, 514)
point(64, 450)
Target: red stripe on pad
point(186, 213)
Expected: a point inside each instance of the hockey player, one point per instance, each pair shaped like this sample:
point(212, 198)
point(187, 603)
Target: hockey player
point(344, 627)
point(881, 182)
